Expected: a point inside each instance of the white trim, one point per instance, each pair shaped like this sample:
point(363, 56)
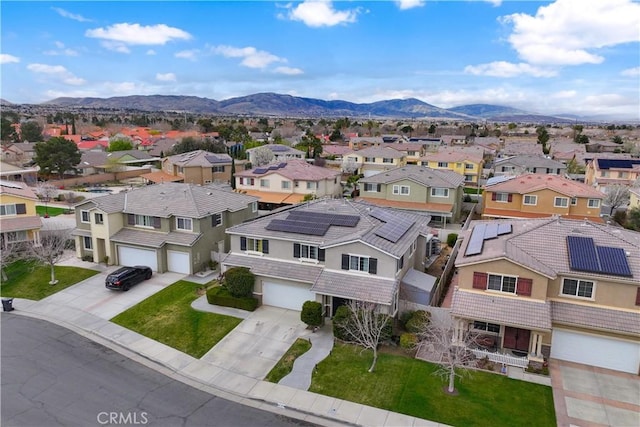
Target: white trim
point(555, 202)
point(178, 218)
point(82, 212)
point(576, 296)
point(515, 287)
point(535, 200)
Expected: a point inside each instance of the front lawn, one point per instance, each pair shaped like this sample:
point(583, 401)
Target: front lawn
point(285, 364)
point(51, 210)
point(30, 280)
point(408, 386)
point(167, 317)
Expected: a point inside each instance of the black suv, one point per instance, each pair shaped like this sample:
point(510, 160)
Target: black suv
point(125, 277)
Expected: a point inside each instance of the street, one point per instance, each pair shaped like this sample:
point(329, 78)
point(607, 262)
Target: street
point(52, 376)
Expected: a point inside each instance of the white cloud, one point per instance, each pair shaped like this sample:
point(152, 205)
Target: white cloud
point(289, 71)
point(251, 57)
point(5, 58)
point(57, 71)
point(570, 32)
point(320, 13)
point(166, 77)
point(496, 3)
point(62, 50)
point(409, 4)
point(66, 14)
point(564, 94)
point(151, 52)
point(507, 69)
point(115, 46)
point(631, 72)
point(191, 55)
point(136, 34)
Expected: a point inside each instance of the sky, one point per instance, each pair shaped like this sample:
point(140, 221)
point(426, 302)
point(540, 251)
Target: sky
point(550, 57)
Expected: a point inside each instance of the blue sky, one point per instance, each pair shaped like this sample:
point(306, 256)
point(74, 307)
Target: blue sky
point(565, 56)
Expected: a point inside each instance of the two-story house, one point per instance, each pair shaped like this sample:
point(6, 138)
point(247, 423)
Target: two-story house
point(287, 183)
point(467, 164)
point(18, 219)
point(528, 163)
point(376, 159)
point(281, 153)
point(536, 196)
point(195, 167)
point(330, 251)
point(602, 172)
point(168, 227)
point(552, 287)
point(93, 162)
point(413, 151)
point(436, 192)
point(634, 197)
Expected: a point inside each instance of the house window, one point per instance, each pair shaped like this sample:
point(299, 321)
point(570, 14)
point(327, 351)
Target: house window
point(574, 201)
point(16, 236)
point(469, 178)
point(594, 203)
point(401, 189)
point(84, 217)
point(217, 169)
point(485, 326)
point(443, 164)
point(414, 245)
point(458, 165)
point(530, 200)
point(370, 159)
point(312, 185)
point(411, 153)
point(561, 202)
point(307, 251)
point(372, 188)
point(143, 221)
point(286, 185)
point(440, 192)
point(87, 243)
point(99, 218)
point(254, 245)
point(577, 288)
point(387, 160)
point(502, 283)
point(9, 209)
point(296, 184)
point(216, 220)
point(623, 174)
point(360, 263)
point(468, 166)
point(254, 206)
point(184, 224)
point(400, 263)
point(264, 183)
point(502, 197)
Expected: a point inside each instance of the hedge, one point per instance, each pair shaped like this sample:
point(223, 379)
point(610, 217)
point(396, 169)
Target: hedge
point(311, 313)
point(221, 296)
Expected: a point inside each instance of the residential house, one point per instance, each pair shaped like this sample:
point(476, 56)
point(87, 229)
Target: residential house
point(362, 142)
point(634, 197)
point(535, 196)
point(373, 160)
point(287, 183)
point(413, 151)
point(281, 153)
point(162, 147)
point(11, 172)
point(436, 192)
point(551, 288)
point(524, 163)
point(19, 153)
point(469, 165)
point(194, 167)
point(331, 251)
point(602, 172)
point(454, 139)
point(94, 162)
point(18, 219)
point(168, 227)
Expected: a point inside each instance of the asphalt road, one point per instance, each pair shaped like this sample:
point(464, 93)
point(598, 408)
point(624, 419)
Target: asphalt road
point(54, 377)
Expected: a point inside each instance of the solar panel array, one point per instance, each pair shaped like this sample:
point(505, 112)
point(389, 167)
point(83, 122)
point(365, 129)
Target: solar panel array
point(584, 255)
point(485, 231)
point(394, 226)
point(311, 223)
point(279, 148)
point(260, 170)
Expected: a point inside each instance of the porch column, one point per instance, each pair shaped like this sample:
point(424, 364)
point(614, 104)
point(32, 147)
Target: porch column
point(36, 237)
point(458, 332)
point(536, 344)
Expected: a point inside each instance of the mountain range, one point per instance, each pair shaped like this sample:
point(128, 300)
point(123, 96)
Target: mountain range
point(279, 105)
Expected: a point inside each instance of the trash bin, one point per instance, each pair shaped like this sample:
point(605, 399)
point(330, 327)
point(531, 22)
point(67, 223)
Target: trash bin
point(7, 304)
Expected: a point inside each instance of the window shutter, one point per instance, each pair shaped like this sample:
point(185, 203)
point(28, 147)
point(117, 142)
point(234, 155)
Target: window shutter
point(479, 280)
point(524, 287)
point(131, 219)
point(378, 188)
point(509, 197)
point(243, 243)
point(320, 254)
point(157, 221)
point(373, 266)
point(265, 246)
point(21, 209)
point(345, 261)
point(638, 297)
point(494, 196)
point(296, 250)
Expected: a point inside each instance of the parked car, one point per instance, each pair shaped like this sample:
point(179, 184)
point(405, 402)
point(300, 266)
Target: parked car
point(124, 278)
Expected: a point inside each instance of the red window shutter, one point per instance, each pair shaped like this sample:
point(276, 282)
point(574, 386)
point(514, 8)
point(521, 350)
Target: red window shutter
point(638, 297)
point(494, 196)
point(479, 280)
point(524, 287)
point(510, 198)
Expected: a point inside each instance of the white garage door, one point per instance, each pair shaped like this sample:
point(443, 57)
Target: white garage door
point(285, 295)
point(596, 351)
point(178, 262)
point(134, 256)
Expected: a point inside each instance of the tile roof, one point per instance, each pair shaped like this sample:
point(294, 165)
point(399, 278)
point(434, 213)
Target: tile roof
point(529, 183)
point(453, 156)
point(154, 239)
point(297, 271)
point(279, 151)
point(277, 198)
point(294, 169)
point(512, 213)
point(199, 158)
point(492, 307)
point(380, 151)
point(20, 223)
point(589, 316)
point(17, 188)
point(435, 208)
point(159, 177)
point(419, 174)
point(363, 287)
point(530, 160)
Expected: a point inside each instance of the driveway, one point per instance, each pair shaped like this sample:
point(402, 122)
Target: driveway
point(258, 342)
point(586, 395)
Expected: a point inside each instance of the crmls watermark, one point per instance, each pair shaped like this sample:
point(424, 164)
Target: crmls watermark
point(122, 418)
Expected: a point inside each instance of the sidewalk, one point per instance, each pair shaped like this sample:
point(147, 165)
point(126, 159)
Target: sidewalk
point(214, 379)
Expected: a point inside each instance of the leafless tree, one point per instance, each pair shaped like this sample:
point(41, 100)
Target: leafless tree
point(349, 166)
point(46, 191)
point(365, 326)
point(616, 195)
point(9, 253)
point(50, 251)
point(262, 156)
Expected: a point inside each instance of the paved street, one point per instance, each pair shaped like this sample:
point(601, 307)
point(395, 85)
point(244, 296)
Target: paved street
point(52, 376)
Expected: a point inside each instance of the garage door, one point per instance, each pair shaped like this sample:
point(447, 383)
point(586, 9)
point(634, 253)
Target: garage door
point(286, 295)
point(595, 350)
point(134, 256)
point(178, 262)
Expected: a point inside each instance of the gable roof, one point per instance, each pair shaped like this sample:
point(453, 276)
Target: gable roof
point(17, 188)
point(380, 151)
point(529, 183)
point(278, 149)
point(420, 174)
point(453, 156)
point(294, 169)
point(199, 158)
point(530, 160)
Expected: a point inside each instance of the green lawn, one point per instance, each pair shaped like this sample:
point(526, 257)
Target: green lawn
point(285, 364)
point(168, 317)
point(409, 386)
point(26, 279)
point(472, 190)
point(51, 210)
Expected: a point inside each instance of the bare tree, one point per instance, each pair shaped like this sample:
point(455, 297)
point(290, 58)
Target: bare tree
point(50, 251)
point(616, 195)
point(9, 253)
point(365, 326)
point(349, 166)
point(46, 191)
point(262, 156)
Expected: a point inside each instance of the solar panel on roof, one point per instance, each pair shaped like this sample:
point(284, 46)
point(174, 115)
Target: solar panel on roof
point(331, 219)
point(476, 241)
point(300, 227)
point(504, 228)
point(260, 170)
point(282, 164)
point(395, 226)
point(613, 261)
point(582, 254)
point(279, 148)
point(273, 167)
point(491, 231)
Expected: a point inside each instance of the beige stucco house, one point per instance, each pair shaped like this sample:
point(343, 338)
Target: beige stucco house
point(19, 222)
point(372, 160)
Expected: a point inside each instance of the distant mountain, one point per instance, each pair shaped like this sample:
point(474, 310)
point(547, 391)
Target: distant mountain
point(142, 102)
point(486, 111)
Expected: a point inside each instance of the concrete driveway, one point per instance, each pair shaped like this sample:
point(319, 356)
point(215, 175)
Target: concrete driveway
point(587, 396)
point(258, 342)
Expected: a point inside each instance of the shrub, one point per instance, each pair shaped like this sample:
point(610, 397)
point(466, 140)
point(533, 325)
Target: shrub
point(311, 313)
point(418, 321)
point(239, 281)
point(218, 295)
point(451, 239)
point(88, 258)
point(405, 317)
point(408, 340)
point(341, 315)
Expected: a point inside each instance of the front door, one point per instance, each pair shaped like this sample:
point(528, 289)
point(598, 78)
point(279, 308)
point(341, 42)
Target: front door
point(516, 339)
